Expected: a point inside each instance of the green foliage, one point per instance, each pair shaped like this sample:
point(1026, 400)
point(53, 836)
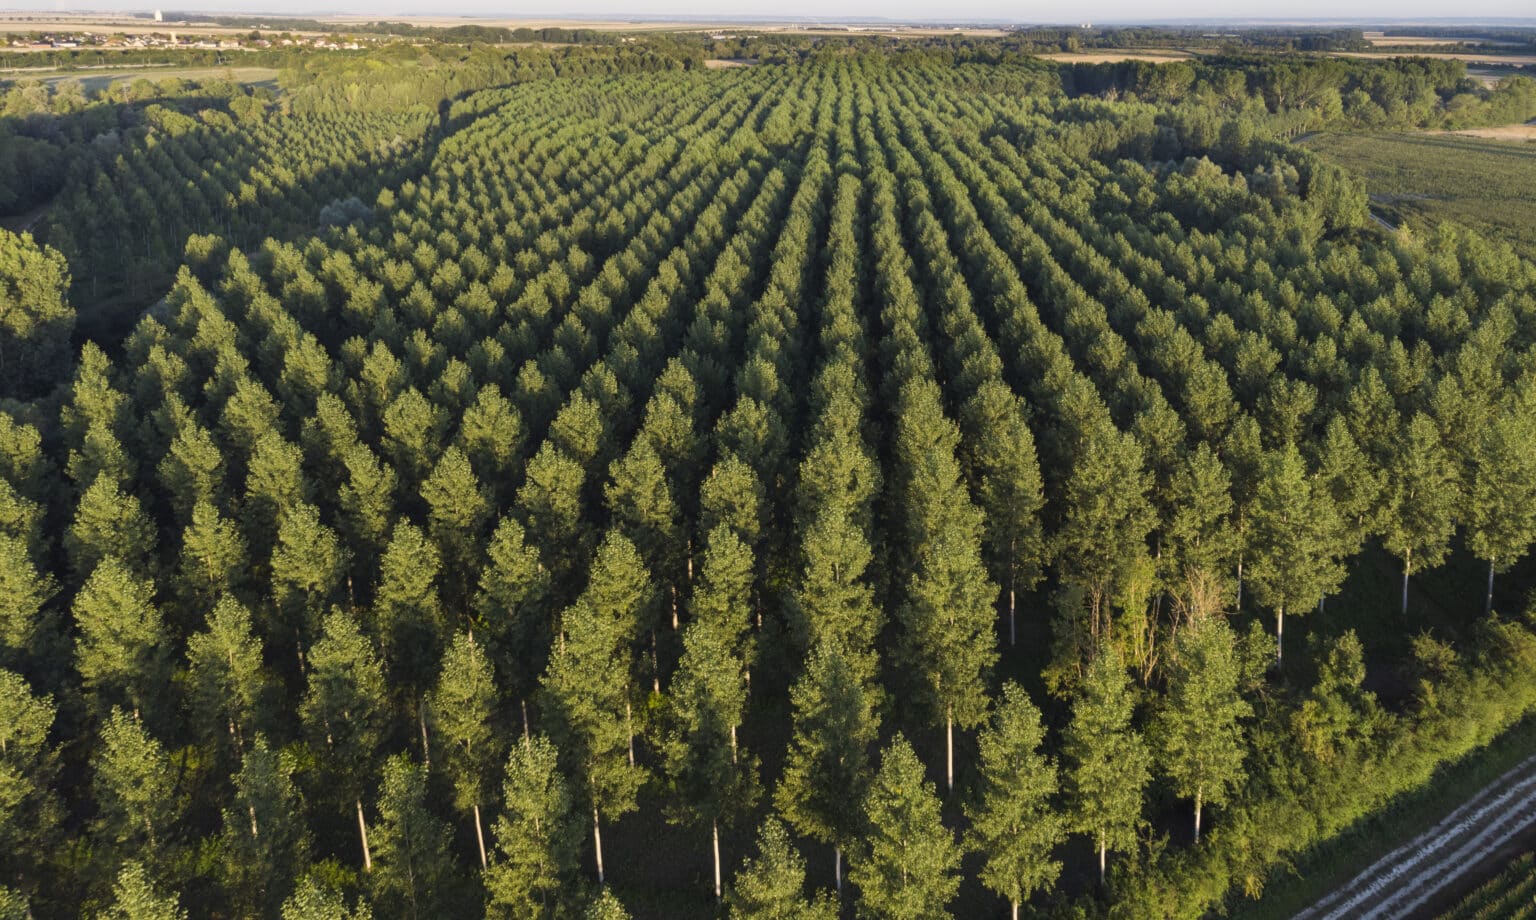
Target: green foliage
point(1198, 734)
point(1109, 764)
point(1015, 826)
point(412, 871)
point(536, 836)
point(771, 885)
point(36, 320)
point(912, 867)
point(135, 896)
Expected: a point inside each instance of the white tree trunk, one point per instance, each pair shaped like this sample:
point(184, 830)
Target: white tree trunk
point(1280, 636)
point(949, 748)
point(362, 831)
point(480, 838)
point(837, 867)
point(629, 726)
point(1199, 800)
point(597, 843)
point(715, 829)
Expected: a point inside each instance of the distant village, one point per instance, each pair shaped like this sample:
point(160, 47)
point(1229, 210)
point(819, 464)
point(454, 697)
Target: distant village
point(171, 38)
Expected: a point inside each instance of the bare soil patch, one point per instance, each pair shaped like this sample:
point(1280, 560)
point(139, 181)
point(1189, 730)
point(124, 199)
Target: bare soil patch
point(1114, 57)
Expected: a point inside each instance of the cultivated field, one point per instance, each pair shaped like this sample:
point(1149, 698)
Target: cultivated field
point(1509, 896)
point(1483, 183)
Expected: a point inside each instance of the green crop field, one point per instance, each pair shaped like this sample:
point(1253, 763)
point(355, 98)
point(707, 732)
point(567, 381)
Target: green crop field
point(1488, 185)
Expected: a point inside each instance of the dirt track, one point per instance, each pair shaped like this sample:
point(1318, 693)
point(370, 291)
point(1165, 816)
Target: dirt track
point(1410, 876)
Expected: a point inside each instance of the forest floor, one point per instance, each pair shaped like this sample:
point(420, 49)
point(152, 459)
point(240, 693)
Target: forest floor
point(1410, 880)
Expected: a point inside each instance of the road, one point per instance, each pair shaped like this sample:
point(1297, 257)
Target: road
point(1407, 878)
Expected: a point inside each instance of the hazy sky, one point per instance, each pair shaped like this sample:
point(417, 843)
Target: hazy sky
point(1030, 11)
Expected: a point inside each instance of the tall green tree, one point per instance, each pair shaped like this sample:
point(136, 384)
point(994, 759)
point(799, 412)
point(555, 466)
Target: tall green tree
point(413, 869)
point(135, 896)
point(827, 770)
point(1292, 540)
point(29, 809)
point(26, 623)
point(458, 509)
point(265, 836)
point(910, 867)
point(1198, 732)
point(711, 776)
point(213, 559)
point(537, 837)
point(510, 608)
point(36, 320)
point(1008, 488)
point(463, 704)
point(309, 571)
point(137, 804)
point(314, 900)
point(1102, 540)
point(1109, 761)
point(722, 597)
point(771, 885)
point(345, 711)
point(1501, 488)
point(109, 522)
point(833, 599)
point(585, 693)
point(121, 649)
point(229, 692)
point(1424, 492)
point(1015, 824)
point(408, 618)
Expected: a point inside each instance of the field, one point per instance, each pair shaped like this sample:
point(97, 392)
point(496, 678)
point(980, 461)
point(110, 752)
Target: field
point(94, 80)
point(1510, 896)
point(1482, 183)
point(889, 480)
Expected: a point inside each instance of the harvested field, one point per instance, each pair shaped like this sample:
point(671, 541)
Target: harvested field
point(1113, 57)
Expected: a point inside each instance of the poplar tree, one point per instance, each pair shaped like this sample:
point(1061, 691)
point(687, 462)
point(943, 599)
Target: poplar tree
point(121, 649)
point(314, 900)
point(29, 809)
point(909, 868)
point(411, 845)
point(458, 509)
point(213, 559)
point(585, 692)
point(537, 836)
point(229, 691)
point(1102, 538)
point(771, 885)
point(135, 787)
point(309, 570)
point(714, 779)
point(1423, 491)
point(409, 618)
point(462, 705)
point(550, 503)
point(1198, 733)
point(344, 712)
point(26, 626)
point(1199, 541)
point(1008, 489)
point(833, 600)
point(511, 608)
point(135, 896)
point(1015, 826)
point(1292, 542)
point(827, 770)
point(109, 522)
point(1109, 761)
point(722, 597)
point(606, 907)
point(1501, 488)
point(265, 838)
